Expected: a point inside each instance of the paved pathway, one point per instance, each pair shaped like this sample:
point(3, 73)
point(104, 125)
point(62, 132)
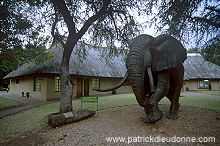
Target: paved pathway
point(27, 103)
point(195, 93)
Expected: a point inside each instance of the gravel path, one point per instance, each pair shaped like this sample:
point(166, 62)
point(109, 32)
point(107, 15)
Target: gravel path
point(124, 122)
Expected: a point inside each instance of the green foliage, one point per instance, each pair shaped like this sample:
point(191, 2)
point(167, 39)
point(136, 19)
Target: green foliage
point(13, 24)
point(211, 50)
point(184, 19)
point(193, 50)
point(114, 23)
point(12, 27)
point(13, 58)
point(17, 30)
point(197, 20)
point(36, 54)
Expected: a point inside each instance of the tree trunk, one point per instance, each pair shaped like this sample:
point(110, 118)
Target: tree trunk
point(66, 89)
point(73, 37)
point(66, 83)
point(58, 119)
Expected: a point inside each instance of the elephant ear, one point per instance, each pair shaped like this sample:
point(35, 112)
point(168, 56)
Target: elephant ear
point(167, 53)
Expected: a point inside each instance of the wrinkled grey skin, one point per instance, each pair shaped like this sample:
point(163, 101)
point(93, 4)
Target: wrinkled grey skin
point(155, 68)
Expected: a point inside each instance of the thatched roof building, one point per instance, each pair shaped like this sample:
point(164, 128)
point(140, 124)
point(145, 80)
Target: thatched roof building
point(96, 69)
point(91, 64)
point(94, 65)
point(196, 67)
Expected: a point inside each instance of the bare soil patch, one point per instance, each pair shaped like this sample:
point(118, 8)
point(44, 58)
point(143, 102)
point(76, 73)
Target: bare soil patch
point(125, 122)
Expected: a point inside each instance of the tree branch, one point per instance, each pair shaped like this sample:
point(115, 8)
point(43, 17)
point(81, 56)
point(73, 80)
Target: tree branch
point(213, 9)
point(217, 25)
point(115, 25)
point(93, 18)
point(68, 19)
point(56, 36)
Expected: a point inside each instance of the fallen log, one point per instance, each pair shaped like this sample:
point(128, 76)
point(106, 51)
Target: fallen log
point(58, 119)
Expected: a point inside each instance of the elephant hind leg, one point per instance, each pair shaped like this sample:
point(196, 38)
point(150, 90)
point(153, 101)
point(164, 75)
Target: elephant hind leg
point(173, 96)
point(176, 82)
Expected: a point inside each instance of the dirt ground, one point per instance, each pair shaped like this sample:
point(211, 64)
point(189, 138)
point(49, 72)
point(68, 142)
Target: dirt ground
point(124, 122)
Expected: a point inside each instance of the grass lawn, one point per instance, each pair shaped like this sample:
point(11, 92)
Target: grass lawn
point(37, 117)
point(210, 103)
point(212, 92)
point(5, 103)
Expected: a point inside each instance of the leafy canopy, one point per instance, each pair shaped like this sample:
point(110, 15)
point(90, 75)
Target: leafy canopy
point(195, 21)
point(19, 36)
point(23, 21)
point(189, 18)
point(114, 24)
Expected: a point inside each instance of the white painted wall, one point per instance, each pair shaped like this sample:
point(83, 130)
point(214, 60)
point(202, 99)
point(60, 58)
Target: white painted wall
point(26, 84)
point(193, 85)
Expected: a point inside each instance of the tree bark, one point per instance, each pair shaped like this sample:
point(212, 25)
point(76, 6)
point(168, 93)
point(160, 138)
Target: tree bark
point(58, 119)
point(66, 87)
point(66, 83)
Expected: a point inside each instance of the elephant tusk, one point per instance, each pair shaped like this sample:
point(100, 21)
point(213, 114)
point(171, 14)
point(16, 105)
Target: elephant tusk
point(151, 80)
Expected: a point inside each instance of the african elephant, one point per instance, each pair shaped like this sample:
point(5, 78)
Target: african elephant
point(155, 68)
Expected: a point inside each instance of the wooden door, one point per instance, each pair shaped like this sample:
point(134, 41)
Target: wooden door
point(86, 87)
point(79, 87)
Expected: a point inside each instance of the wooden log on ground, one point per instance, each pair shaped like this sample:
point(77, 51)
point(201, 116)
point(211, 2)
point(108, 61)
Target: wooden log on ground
point(58, 119)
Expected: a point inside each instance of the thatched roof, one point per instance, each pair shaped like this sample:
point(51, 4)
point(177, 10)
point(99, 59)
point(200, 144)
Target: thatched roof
point(94, 64)
point(196, 67)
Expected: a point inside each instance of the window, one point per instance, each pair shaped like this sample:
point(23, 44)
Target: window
point(37, 84)
point(17, 81)
point(57, 84)
point(95, 84)
point(204, 84)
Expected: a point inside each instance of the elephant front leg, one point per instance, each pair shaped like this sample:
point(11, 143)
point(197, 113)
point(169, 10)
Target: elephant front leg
point(153, 114)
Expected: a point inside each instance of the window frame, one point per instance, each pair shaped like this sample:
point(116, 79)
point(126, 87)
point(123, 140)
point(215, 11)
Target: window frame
point(17, 81)
point(57, 84)
point(37, 84)
point(203, 84)
point(96, 83)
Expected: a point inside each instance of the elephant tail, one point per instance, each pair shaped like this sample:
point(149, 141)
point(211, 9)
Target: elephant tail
point(116, 86)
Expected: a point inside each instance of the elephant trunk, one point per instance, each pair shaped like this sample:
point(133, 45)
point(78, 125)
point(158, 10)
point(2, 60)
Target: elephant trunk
point(138, 60)
point(138, 89)
point(116, 86)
